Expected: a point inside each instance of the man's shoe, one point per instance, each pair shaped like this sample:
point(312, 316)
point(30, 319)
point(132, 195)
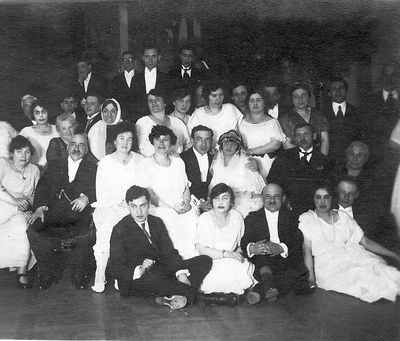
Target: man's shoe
point(253, 297)
point(271, 294)
point(230, 299)
point(45, 282)
point(174, 302)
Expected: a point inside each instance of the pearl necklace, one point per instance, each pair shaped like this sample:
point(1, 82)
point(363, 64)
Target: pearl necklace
point(324, 228)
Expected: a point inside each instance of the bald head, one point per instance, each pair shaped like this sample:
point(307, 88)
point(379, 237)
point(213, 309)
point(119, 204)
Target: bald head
point(273, 197)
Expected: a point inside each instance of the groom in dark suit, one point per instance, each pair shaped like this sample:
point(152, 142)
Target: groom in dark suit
point(299, 170)
point(273, 243)
point(62, 217)
point(198, 161)
point(144, 261)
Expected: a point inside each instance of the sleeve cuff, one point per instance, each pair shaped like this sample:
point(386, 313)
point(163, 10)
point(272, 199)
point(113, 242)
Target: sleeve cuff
point(138, 272)
point(183, 271)
point(285, 252)
point(248, 250)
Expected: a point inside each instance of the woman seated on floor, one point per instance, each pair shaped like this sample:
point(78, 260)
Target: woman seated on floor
point(340, 258)
point(230, 167)
point(101, 135)
point(66, 126)
point(116, 173)
point(165, 178)
point(18, 180)
point(218, 235)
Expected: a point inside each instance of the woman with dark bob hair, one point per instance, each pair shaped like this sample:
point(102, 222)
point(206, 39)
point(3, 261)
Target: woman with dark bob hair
point(216, 115)
point(156, 100)
point(218, 236)
point(116, 173)
point(18, 180)
point(339, 257)
point(165, 178)
point(303, 113)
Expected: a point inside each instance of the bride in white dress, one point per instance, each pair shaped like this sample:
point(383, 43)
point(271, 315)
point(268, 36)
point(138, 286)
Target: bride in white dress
point(340, 258)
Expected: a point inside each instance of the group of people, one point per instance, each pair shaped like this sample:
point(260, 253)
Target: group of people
point(170, 189)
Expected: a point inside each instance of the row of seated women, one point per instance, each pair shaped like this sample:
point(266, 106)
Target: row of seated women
point(331, 238)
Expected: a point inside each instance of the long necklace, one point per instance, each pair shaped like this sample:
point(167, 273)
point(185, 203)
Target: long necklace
point(333, 228)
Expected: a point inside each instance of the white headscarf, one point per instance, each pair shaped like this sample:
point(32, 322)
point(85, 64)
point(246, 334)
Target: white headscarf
point(98, 133)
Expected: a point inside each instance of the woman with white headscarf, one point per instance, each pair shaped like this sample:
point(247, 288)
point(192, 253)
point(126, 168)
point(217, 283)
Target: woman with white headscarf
point(101, 134)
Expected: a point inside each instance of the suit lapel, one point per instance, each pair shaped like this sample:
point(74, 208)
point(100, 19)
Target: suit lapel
point(264, 223)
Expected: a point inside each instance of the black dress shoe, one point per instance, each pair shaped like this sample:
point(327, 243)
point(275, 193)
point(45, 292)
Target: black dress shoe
point(45, 282)
point(230, 299)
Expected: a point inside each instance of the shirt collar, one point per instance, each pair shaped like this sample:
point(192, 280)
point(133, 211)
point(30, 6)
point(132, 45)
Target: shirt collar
point(335, 106)
point(130, 73)
point(88, 77)
point(198, 154)
point(72, 162)
point(386, 93)
point(152, 72)
point(306, 151)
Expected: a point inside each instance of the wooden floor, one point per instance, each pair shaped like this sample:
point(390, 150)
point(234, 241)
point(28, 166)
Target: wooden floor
point(65, 313)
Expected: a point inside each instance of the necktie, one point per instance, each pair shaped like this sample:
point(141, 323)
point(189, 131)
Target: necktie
point(339, 113)
point(303, 159)
point(186, 74)
point(143, 226)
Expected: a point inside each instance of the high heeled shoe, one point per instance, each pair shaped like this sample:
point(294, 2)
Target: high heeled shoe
point(22, 285)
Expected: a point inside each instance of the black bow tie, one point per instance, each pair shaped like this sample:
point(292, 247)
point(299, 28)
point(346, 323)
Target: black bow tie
point(305, 153)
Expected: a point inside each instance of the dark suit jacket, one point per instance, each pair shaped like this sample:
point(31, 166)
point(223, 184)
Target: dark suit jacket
point(343, 131)
point(297, 180)
point(126, 96)
point(256, 229)
point(139, 86)
point(55, 179)
point(83, 122)
point(197, 76)
point(197, 188)
point(129, 247)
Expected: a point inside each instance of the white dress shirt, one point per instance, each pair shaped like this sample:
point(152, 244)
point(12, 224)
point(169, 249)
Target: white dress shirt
point(274, 112)
point(348, 210)
point(335, 107)
point(128, 76)
point(272, 221)
point(188, 71)
point(150, 78)
point(86, 81)
point(72, 168)
point(306, 151)
point(137, 272)
point(385, 94)
point(203, 164)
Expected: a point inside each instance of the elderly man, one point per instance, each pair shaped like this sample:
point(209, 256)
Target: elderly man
point(273, 243)
point(144, 261)
point(19, 122)
point(300, 169)
point(62, 217)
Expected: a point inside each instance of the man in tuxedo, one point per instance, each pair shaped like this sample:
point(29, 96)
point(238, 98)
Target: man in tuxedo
point(150, 79)
point(273, 243)
point(123, 87)
point(62, 217)
point(144, 261)
point(198, 161)
point(87, 82)
point(345, 122)
point(186, 75)
point(299, 170)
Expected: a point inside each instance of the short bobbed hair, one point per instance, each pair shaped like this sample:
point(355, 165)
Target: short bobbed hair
point(136, 192)
point(19, 142)
point(160, 130)
point(211, 86)
point(222, 188)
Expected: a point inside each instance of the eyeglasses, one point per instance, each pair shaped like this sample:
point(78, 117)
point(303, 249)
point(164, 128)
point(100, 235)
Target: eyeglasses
point(128, 59)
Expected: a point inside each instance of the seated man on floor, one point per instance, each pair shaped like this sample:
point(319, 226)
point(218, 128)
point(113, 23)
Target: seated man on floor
point(62, 217)
point(376, 223)
point(273, 243)
point(144, 261)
